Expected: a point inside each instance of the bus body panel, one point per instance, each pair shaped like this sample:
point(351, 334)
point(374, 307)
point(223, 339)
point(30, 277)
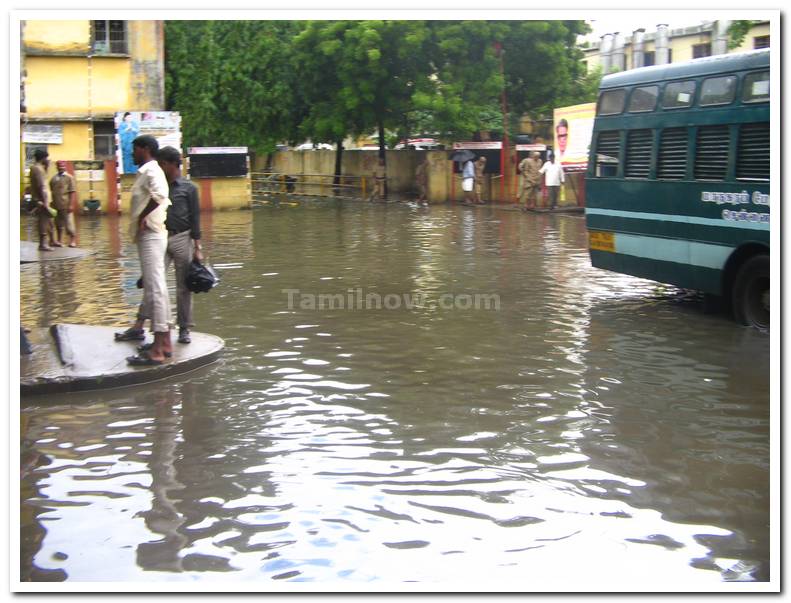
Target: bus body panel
point(682, 231)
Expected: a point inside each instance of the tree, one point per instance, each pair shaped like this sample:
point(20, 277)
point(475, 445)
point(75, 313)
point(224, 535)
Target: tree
point(737, 31)
point(232, 81)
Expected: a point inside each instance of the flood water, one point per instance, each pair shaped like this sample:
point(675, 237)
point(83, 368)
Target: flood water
point(595, 427)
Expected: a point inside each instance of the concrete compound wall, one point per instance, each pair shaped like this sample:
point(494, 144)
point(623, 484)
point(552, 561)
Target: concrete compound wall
point(443, 184)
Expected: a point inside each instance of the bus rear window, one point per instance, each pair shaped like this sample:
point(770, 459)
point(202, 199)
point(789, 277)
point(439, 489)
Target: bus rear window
point(678, 94)
point(756, 87)
point(718, 91)
point(643, 99)
point(611, 102)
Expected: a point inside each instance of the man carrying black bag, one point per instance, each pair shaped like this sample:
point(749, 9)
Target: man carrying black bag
point(184, 246)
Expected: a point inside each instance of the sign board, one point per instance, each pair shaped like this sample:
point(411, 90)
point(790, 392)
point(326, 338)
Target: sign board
point(165, 126)
point(531, 147)
point(43, 134)
point(573, 129)
point(217, 150)
point(478, 145)
point(218, 165)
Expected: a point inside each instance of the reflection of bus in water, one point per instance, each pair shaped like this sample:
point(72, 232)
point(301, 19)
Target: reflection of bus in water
point(677, 189)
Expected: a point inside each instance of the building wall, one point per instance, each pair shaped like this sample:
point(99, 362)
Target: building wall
point(66, 84)
point(443, 183)
point(56, 36)
point(65, 87)
point(681, 44)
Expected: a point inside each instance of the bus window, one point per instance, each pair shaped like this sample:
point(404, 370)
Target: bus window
point(607, 151)
point(756, 87)
point(711, 152)
point(611, 102)
point(672, 161)
point(718, 91)
point(643, 99)
point(752, 160)
point(678, 94)
point(638, 153)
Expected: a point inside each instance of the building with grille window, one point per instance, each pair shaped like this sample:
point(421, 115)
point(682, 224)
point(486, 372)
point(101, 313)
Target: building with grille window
point(618, 51)
point(75, 76)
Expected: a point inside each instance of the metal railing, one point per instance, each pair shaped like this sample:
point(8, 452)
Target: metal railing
point(268, 185)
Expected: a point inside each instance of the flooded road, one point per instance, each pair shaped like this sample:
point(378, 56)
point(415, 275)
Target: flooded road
point(586, 427)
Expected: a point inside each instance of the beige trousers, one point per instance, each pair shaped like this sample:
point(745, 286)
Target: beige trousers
point(151, 247)
point(179, 251)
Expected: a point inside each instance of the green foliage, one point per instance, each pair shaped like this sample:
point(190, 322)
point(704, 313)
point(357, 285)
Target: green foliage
point(231, 81)
point(737, 32)
point(256, 83)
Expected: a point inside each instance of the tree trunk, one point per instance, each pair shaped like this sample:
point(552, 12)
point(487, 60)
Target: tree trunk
point(336, 181)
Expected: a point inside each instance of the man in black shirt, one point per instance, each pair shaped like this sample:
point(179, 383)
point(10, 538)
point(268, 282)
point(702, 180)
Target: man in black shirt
point(183, 225)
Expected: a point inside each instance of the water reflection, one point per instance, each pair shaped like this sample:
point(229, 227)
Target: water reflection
point(596, 422)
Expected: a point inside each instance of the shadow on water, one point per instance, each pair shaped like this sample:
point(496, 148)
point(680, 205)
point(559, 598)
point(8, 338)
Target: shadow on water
point(594, 427)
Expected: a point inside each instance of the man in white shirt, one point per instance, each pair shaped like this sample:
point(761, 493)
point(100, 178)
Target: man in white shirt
point(150, 202)
point(468, 181)
point(553, 178)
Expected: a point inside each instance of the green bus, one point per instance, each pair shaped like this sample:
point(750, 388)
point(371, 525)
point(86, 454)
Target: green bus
point(677, 187)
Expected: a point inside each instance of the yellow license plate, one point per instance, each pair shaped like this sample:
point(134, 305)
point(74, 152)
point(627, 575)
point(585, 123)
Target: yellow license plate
point(602, 241)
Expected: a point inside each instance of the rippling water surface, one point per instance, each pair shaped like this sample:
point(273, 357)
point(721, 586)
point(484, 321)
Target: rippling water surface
point(595, 427)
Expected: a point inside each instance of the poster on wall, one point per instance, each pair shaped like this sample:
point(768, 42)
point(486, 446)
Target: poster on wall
point(165, 126)
point(573, 129)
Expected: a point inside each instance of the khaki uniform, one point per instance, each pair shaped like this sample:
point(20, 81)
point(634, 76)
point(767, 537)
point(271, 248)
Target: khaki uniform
point(421, 179)
point(62, 187)
point(531, 180)
point(379, 182)
point(479, 167)
point(38, 187)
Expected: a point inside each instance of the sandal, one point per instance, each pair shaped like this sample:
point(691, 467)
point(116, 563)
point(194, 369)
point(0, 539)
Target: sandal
point(147, 346)
point(131, 335)
point(143, 359)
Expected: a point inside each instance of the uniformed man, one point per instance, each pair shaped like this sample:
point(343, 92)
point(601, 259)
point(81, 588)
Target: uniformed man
point(480, 166)
point(380, 177)
point(64, 198)
point(530, 168)
point(421, 180)
point(40, 193)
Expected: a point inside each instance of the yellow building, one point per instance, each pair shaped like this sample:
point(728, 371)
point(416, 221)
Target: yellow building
point(76, 74)
point(619, 51)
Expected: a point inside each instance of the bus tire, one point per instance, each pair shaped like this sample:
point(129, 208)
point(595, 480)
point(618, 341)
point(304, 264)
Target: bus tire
point(751, 293)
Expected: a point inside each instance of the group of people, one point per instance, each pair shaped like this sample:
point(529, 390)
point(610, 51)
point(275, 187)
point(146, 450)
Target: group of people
point(53, 202)
point(531, 170)
point(472, 180)
point(165, 225)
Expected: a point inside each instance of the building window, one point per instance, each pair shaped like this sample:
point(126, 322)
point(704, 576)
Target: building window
point(701, 50)
point(760, 42)
point(649, 57)
point(109, 37)
point(103, 139)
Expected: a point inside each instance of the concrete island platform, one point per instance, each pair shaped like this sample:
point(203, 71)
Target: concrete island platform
point(28, 253)
point(71, 358)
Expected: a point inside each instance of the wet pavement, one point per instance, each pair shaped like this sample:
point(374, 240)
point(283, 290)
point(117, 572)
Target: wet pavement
point(587, 428)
